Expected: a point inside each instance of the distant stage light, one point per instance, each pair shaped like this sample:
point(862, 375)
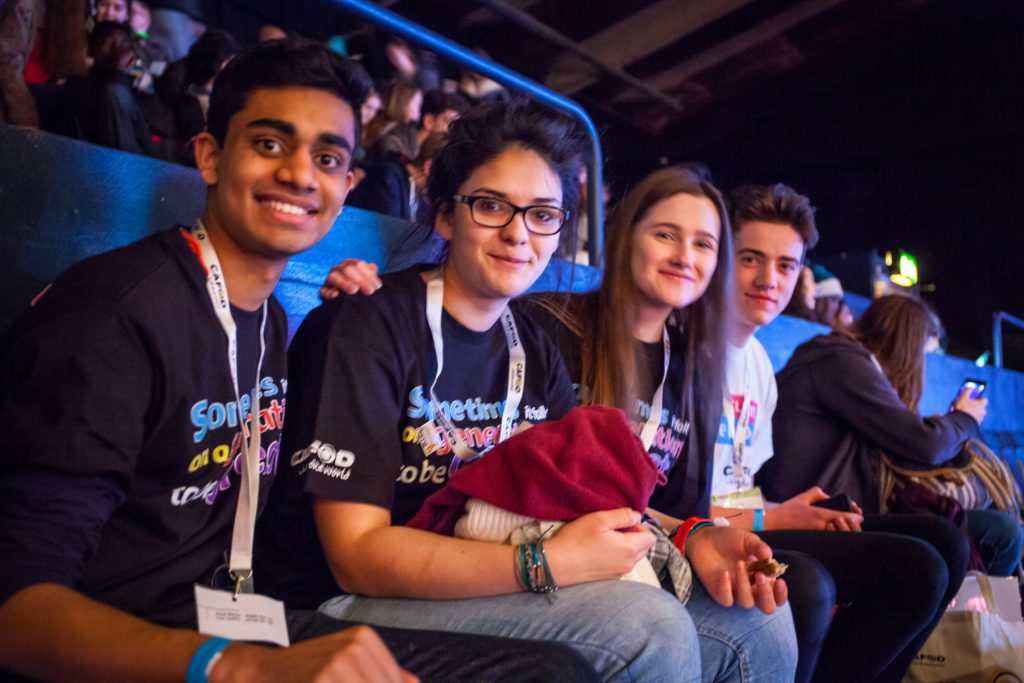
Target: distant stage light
point(906, 269)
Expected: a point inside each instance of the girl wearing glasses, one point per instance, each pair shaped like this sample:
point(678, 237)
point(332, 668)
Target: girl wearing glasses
point(666, 272)
point(379, 386)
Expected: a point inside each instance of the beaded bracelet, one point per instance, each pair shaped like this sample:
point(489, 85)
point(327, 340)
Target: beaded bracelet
point(531, 568)
point(684, 530)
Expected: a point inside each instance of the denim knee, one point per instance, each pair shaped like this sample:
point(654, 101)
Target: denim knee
point(998, 538)
point(744, 645)
point(656, 622)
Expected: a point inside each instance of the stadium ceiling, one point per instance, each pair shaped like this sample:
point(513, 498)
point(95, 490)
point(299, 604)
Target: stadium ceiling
point(653, 64)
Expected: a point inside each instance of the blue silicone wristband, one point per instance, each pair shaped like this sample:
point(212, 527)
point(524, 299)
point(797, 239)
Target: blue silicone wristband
point(758, 519)
point(196, 672)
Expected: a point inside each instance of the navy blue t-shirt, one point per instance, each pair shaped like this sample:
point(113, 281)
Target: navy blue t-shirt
point(360, 371)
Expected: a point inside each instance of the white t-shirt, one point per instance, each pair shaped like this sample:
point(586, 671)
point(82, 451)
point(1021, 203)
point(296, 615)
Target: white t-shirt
point(750, 394)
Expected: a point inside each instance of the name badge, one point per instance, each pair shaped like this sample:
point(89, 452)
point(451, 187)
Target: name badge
point(245, 617)
point(749, 499)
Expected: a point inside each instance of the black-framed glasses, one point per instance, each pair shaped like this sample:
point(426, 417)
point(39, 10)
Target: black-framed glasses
point(491, 212)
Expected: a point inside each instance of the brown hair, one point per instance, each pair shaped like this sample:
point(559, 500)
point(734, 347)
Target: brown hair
point(776, 203)
point(64, 38)
point(391, 114)
point(603, 319)
point(895, 328)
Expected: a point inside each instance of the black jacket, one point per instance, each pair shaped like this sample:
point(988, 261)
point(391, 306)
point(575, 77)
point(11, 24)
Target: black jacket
point(386, 189)
point(836, 411)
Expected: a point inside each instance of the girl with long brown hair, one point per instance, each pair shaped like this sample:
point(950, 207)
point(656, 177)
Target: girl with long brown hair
point(667, 283)
point(846, 397)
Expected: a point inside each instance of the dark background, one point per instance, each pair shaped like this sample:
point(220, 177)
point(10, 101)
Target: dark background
point(912, 138)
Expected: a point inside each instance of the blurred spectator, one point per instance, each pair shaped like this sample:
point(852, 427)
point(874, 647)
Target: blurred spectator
point(140, 18)
point(803, 302)
point(19, 21)
point(575, 245)
point(60, 48)
point(113, 10)
point(402, 104)
point(844, 318)
point(828, 295)
point(103, 110)
point(176, 24)
point(270, 32)
point(371, 107)
point(395, 185)
point(480, 88)
point(205, 59)
point(438, 111)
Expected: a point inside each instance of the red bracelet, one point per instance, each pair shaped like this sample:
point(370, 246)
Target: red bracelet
point(684, 530)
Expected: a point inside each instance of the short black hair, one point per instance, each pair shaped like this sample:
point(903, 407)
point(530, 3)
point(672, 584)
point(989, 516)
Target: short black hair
point(438, 101)
point(284, 63)
point(102, 29)
point(206, 55)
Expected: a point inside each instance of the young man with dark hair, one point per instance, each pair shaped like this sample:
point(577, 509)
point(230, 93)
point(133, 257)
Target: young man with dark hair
point(892, 587)
point(138, 438)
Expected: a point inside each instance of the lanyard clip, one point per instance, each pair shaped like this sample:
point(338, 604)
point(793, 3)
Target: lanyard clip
point(240, 581)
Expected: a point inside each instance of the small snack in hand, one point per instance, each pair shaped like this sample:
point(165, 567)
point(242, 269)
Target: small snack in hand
point(770, 568)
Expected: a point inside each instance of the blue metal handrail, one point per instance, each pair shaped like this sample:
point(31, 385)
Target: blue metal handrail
point(997, 334)
point(414, 33)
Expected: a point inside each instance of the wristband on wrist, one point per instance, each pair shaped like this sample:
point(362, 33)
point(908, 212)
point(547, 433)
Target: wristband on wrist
point(204, 658)
point(758, 519)
point(684, 530)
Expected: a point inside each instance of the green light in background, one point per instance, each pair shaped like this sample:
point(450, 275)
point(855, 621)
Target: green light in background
point(907, 274)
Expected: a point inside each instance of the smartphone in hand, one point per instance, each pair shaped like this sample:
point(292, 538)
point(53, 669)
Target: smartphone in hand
point(975, 386)
point(840, 503)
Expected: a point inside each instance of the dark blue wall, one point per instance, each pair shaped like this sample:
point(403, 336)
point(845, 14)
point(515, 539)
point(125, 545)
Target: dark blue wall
point(62, 200)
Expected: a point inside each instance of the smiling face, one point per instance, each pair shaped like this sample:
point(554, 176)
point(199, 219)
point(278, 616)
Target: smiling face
point(279, 182)
point(767, 266)
point(112, 10)
point(675, 251)
point(496, 264)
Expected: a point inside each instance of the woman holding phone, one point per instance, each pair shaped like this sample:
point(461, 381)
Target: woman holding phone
point(831, 431)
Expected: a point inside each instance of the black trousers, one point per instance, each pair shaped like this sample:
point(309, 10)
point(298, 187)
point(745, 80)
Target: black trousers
point(891, 584)
point(438, 656)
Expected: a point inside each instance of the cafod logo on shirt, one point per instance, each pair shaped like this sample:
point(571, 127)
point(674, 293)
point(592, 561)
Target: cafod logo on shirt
point(326, 459)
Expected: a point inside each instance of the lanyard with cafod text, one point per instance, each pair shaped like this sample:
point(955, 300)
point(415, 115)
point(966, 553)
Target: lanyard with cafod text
point(240, 560)
point(650, 428)
point(516, 377)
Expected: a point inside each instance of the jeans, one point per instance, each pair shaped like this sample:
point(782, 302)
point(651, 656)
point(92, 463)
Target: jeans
point(627, 631)
point(998, 538)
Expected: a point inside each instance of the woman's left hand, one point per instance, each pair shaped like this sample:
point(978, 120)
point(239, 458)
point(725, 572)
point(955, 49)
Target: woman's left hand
point(719, 557)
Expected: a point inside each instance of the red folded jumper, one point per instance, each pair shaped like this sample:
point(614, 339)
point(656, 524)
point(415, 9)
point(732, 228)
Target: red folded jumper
point(588, 461)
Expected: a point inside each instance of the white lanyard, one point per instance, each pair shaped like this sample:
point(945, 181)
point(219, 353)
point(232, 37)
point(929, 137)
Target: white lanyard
point(240, 562)
point(516, 368)
point(657, 403)
point(739, 427)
